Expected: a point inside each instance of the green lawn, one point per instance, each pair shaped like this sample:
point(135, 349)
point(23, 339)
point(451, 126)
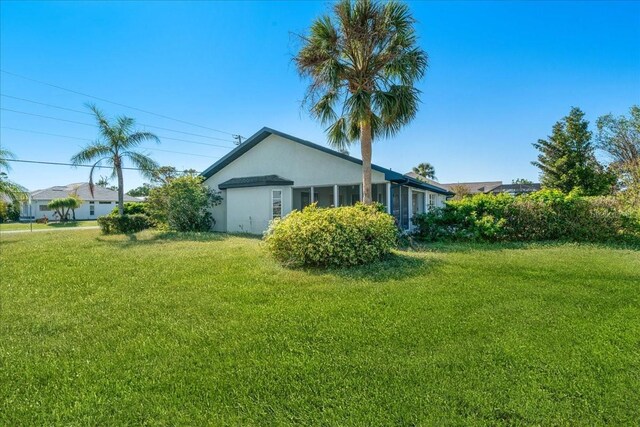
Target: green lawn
point(13, 226)
point(195, 330)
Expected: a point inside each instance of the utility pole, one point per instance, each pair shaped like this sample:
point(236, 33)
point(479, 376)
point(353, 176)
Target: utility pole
point(238, 139)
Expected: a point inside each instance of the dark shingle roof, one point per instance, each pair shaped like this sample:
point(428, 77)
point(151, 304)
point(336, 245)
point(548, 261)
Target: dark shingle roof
point(255, 181)
point(263, 133)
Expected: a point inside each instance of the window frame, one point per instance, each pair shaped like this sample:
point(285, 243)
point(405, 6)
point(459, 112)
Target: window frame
point(273, 199)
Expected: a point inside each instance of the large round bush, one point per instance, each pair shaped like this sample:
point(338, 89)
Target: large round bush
point(337, 237)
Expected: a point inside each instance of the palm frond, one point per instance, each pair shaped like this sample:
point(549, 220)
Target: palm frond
point(5, 156)
point(136, 138)
point(91, 152)
point(143, 162)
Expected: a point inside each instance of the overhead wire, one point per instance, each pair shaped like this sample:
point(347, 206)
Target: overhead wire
point(91, 114)
point(116, 103)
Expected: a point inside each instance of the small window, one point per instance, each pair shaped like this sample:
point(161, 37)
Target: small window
point(44, 208)
point(276, 204)
point(432, 201)
point(104, 203)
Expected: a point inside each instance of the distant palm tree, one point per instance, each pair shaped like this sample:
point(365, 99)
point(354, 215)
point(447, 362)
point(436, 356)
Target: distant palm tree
point(425, 170)
point(363, 63)
point(15, 192)
point(117, 143)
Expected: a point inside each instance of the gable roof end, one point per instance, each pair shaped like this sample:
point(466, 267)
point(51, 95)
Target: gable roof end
point(263, 133)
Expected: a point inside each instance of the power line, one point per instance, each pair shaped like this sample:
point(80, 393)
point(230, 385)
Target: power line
point(93, 125)
point(236, 137)
point(90, 140)
point(116, 103)
point(46, 117)
point(39, 162)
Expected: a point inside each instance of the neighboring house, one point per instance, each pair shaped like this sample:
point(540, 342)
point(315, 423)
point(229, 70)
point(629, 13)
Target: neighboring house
point(100, 203)
point(427, 180)
point(473, 187)
point(272, 173)
point(516, 189)
point(494, 187)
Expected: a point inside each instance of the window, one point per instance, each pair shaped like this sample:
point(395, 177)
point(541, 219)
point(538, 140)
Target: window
point(92, 209)
point(276, 204)
point(432, 201)
point(104, 203)
point(44, 208)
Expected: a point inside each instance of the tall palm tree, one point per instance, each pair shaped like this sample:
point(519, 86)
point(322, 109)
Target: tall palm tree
point(425, 170)
point(15, 192)
point(117, 143)
point(363, 63)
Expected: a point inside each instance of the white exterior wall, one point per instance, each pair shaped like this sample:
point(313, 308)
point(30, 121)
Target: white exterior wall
point(275, 155)
point(249, 209)
point(82, 213)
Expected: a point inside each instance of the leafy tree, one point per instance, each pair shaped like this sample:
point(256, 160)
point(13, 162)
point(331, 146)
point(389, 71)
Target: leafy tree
point(521, 181)
point(363, 63)
point(567, 158)
point(619, 137)
point(118, 142)
point(163, 175)
point(13, 191)
point(142, 191)
point(461, 191)
point(64, 205)
point(183, 204)
point(104, 183)
point(9, 211)
point(425, 170)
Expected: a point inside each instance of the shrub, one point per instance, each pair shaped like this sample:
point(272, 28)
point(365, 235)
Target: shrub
point(544, 215)
point(125, 224)
point(337, 237)
point(183, 204)
point(132, 208)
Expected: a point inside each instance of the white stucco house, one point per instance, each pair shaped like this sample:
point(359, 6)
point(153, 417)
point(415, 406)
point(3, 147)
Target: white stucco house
point(272, 173)
point(100, 203)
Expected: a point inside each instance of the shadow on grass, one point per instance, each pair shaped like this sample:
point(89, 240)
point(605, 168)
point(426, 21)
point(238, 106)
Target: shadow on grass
point(448, 247)
point(158, 237)
point(396, 266)
point(67, 224)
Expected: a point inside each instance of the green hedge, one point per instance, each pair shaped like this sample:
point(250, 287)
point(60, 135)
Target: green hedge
point(544, 215)
point(125, 224)
point(335, 237)
point(132, 208)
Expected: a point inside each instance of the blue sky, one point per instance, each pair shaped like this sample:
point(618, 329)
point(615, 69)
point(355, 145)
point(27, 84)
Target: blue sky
point(500, 75)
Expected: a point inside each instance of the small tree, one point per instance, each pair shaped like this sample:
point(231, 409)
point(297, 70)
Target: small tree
point(619, 137)
point(118, 143)
point(14, 192)
point(521, 181)
point(567, 158)
point(425, 170)
point(184, 204)
point(64, 205)
point(461, 191)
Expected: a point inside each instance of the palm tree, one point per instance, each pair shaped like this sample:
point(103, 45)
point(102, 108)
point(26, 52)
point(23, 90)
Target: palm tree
point(362, 63)
point(15, 192)
point(117, 143)
point(425, 170)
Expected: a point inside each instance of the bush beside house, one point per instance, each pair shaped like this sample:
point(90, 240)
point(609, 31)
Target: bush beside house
point(333, 237)
point(544, 215)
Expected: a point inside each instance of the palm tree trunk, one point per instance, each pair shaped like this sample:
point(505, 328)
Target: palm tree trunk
point(365, 147)
point(120, 188)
